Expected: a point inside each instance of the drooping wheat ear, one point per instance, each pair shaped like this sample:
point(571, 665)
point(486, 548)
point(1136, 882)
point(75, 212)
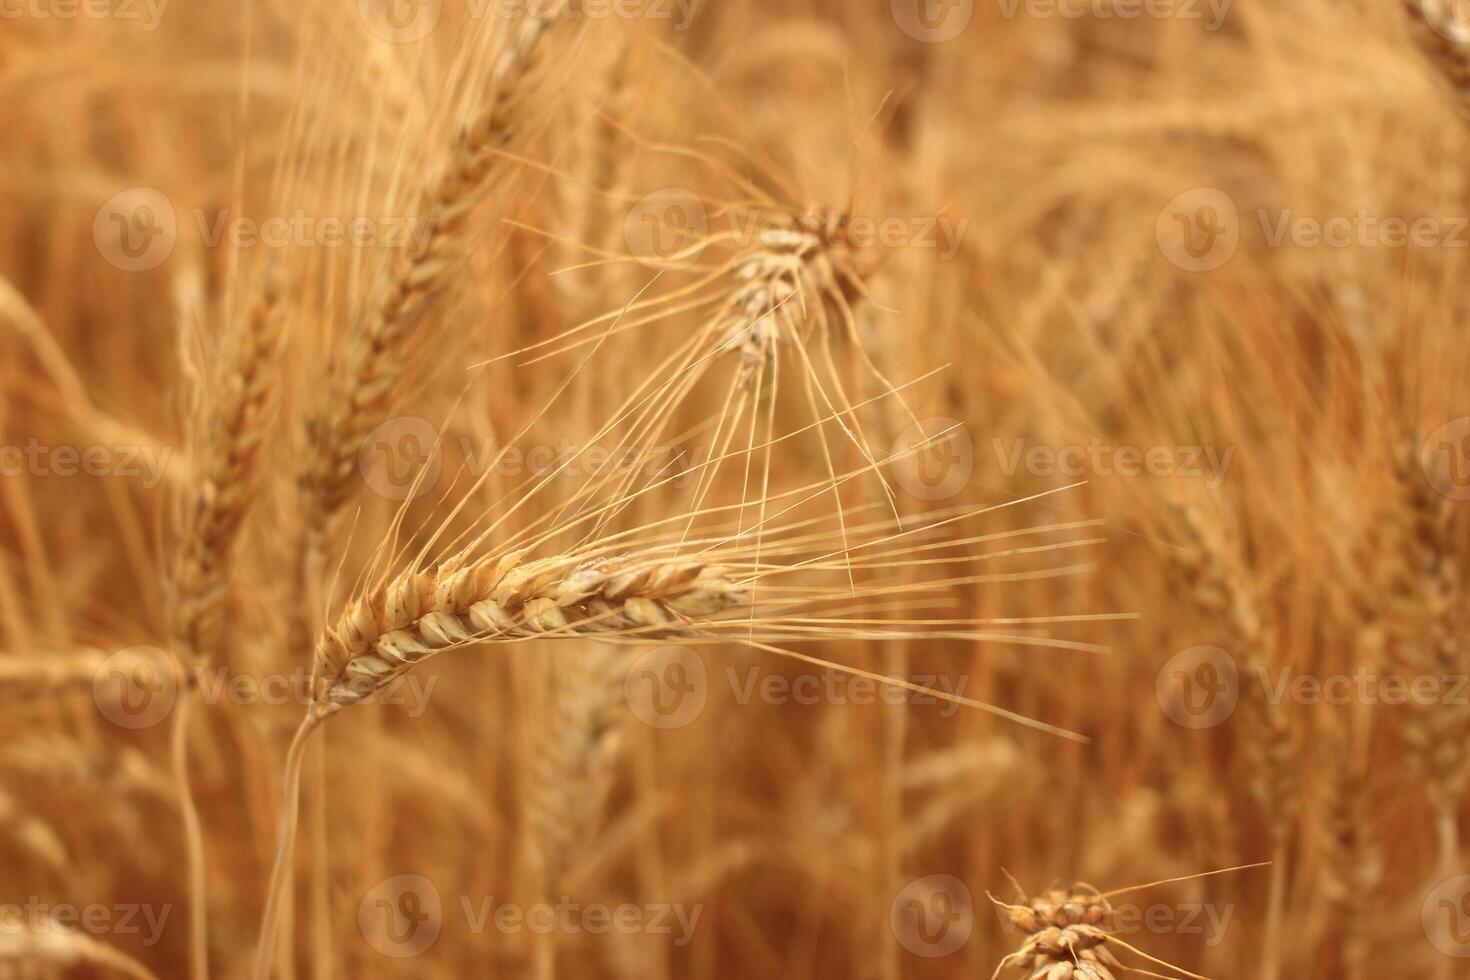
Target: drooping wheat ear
point(1069, 935)
point(63, 948)
point(1218, 590)
point(222, 485)
point(1352, 866)
point(418, 614)
point(783, 283)
point(1443, 33)
point(362, 376)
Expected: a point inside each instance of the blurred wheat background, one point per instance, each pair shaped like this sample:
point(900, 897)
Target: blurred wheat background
point(1130, 338)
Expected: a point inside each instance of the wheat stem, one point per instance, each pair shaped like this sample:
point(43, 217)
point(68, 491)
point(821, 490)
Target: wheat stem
point(290, 808)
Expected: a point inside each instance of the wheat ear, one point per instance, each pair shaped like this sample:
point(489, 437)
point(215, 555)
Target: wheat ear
point(419, 614)
point(1218, 590)
point(363, 375)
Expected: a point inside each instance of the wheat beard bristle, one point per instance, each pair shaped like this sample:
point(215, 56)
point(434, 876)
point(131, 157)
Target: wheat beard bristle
point(420, 614)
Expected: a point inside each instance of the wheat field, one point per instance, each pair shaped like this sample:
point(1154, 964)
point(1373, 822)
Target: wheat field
point(690, 489)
